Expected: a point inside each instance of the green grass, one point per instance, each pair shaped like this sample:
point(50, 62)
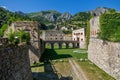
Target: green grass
point(37, 67)
point(90, 69)
point(93, 72)
point(64, 53)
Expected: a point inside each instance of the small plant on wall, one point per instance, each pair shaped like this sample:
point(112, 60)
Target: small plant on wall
point(18, 37)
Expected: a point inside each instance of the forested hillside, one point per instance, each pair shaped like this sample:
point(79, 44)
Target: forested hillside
point(54, 18)
point(66, 21)
point(7, 17)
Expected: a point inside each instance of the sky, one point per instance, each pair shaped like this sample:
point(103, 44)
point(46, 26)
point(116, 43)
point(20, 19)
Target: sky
point(72, 6)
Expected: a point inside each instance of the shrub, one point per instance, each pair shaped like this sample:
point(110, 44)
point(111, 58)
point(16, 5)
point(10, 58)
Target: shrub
point(2, 30)
point(18, 37)
point(110, 27)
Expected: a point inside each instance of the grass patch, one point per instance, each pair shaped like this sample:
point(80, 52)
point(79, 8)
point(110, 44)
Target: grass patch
point(93, 72)
point(90, 69)
point(37, 67)
point(63, 54)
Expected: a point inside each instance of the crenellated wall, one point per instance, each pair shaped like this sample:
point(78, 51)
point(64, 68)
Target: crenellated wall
point(14, 63)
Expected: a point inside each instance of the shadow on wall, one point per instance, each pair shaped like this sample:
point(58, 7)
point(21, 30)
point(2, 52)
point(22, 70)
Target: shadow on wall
point(34, 50)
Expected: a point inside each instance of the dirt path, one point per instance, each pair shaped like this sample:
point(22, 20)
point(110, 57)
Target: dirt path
point(77, 70)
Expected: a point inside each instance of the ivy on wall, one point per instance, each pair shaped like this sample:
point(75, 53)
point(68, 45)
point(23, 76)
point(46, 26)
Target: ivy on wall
point(110, 27)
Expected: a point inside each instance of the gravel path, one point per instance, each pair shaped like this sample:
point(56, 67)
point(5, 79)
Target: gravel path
point(77, 70)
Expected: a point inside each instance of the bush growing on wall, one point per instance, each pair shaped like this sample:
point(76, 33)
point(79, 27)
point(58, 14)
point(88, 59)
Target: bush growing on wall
point(18, 37)
point(110, 27)
point(2, 29)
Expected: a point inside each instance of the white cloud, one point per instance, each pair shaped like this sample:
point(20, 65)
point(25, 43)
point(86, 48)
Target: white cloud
point(4, 7)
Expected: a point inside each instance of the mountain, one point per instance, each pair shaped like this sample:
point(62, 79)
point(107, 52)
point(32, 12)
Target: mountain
point(50, 18)
point(99, 10)
point(54, 19)
point(49, 15)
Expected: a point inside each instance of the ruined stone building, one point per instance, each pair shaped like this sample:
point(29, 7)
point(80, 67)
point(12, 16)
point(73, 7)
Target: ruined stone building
point(32, 28)
point(52, 35)
point(79, 35)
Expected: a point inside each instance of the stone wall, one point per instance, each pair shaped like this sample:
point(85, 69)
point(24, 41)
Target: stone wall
point(94, 26)
point(33, 28)
point(14, 63)
point(105, 55)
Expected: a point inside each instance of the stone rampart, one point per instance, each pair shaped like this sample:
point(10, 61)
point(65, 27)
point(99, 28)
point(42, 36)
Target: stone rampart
point(14, 63)
point(105, 55)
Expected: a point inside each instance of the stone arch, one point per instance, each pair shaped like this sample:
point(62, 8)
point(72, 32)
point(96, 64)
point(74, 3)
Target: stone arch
point(47, 45)
point(70, 45)
point(67, 45)
point(56, 45)
point(63, 44)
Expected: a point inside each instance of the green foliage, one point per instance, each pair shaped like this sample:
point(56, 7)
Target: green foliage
point(3, 28)
point(87, 33)
point(23, 36)
point(7, 17)
point(67, 31)
point(3, 16)
point(80, 19)
point(18, 37)
point(11, 36)
point(41, 31)
point(112, 10)
point(110, 27)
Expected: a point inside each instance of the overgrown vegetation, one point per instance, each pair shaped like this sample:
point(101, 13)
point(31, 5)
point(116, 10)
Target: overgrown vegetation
point(87, 34)
point(18, 37)
point(67, 31)
point(7, 17)
point(110, 27)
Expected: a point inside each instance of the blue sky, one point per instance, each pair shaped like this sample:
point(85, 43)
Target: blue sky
point(72, 6)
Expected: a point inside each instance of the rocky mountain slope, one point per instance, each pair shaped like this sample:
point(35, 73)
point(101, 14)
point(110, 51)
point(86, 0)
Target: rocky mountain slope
point(66, 21)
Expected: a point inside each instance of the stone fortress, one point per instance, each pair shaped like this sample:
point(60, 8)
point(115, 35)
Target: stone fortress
point(15, 61)
point(32, 28)
point(105, 54)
